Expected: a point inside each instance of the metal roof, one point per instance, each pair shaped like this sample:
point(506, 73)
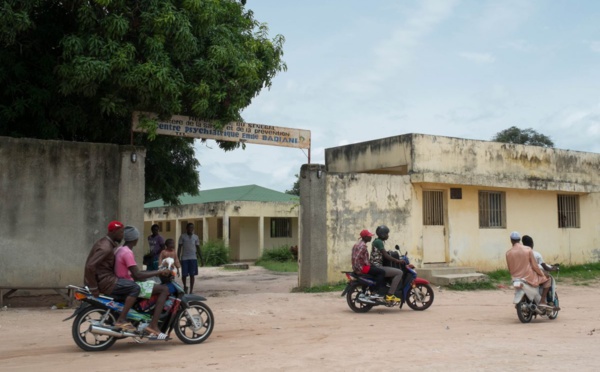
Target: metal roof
point(238, 193)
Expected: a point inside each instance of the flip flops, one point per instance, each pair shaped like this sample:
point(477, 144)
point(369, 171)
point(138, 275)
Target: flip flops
point(125, 326)
point(156, 335)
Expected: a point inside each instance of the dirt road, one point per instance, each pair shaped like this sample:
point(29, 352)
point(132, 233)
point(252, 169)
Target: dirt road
point(261, 326)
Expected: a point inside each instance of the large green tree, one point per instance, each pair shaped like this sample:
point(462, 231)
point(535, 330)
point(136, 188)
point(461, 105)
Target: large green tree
point(77, 69)
point(523, 137)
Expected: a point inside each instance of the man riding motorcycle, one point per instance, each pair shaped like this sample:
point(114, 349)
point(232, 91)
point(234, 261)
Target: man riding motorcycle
point(378, 254)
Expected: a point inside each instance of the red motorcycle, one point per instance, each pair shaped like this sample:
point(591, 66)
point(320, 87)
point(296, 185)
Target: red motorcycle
point(415, 291)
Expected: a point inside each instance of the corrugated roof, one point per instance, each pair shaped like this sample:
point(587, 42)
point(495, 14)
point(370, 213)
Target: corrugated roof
point(238, 193)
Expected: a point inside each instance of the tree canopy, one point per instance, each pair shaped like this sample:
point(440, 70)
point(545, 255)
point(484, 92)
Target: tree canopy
point(76, 70)
point(523, 137)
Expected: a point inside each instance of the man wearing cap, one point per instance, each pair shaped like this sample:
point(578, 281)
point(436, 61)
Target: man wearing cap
point(127, 271)
point(361, 264)
point(522, 265)
point(100, 276)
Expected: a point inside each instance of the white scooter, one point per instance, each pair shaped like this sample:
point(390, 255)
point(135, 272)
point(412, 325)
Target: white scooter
point(528, 297)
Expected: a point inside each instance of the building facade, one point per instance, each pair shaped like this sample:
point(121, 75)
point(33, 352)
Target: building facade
point(248, 219)
point(452, 201)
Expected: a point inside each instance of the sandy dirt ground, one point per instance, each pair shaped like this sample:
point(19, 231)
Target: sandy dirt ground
point(261, 326)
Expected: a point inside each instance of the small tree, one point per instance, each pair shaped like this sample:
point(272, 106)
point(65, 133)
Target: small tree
point(523, 137)
point(295, 188)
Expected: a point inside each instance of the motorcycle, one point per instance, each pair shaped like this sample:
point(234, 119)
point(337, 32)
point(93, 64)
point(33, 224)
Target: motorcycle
point(527, 297)
point(93, 328)
point(414, 291)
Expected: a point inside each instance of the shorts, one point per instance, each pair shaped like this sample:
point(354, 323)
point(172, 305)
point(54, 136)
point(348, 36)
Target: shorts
point(189, 268)
point(125, 288)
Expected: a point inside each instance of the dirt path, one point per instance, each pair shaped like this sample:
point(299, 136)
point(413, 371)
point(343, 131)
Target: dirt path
point(261, 326)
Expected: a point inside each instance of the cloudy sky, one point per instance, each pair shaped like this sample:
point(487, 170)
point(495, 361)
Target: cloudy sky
point(359, 71)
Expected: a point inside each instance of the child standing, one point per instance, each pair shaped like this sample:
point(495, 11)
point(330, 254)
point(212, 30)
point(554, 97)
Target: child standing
point(169, 252)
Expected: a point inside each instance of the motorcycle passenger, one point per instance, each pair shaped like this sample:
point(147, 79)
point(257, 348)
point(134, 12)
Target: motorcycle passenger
point(126, 269)
point(522, 265)
point(99, 275)
point(361, 265)
point(378, 253)
point(545, 268)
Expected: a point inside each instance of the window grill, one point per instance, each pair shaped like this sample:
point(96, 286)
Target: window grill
point(433, 208)
point(568, 211)
point(281, 227)
point(492, 209)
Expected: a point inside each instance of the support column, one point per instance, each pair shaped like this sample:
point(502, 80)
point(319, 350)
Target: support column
point(261, 235)
point(226, 229)
point(204, 230)
point(177, 233)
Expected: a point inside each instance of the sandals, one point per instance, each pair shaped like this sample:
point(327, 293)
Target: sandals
point(156, 335)
point(126, 326)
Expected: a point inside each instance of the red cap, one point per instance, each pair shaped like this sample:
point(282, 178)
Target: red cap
point(114, 225)
point(365, 233)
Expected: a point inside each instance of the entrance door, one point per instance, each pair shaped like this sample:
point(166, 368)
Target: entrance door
point(434, 228)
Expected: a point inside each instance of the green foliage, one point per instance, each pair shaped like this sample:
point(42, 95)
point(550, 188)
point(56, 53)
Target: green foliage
point(580, 273)
point(282, 267)
point(295, 190)
point(486, 285)
point(279, 254)
point(76, 70)
point(335, 287)
point(523, 136)
point(215, 253)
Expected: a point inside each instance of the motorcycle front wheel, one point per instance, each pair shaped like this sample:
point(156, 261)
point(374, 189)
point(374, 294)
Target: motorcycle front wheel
point(420, 297)
point(524, 313)
point(82, 325)
point(352, 299)
point(194, 324)
point(554, 313)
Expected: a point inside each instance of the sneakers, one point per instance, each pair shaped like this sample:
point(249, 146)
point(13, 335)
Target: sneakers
point(392, 298)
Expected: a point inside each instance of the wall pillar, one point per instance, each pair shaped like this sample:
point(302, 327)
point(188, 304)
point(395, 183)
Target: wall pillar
point(226, 229)
point(312, 252)
point(204, 230)
point(261, 235)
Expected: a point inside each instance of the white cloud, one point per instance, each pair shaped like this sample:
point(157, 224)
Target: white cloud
point(595, 46)
point(478, 57)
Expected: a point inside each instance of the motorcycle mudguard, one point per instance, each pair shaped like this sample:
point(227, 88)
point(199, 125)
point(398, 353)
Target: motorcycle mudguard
point(81, 307)
point(345, 290)
point(519, 293)
point(421, 281)
point(191, 297)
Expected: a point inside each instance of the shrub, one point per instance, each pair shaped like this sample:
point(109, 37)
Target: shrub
point(278, 254)
point(215, 253)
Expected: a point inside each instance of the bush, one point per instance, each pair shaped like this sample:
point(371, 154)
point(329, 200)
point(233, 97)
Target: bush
point(215, 253)
point(279, 254)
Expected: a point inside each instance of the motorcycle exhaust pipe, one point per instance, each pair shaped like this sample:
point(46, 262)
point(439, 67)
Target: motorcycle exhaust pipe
point(109, 332)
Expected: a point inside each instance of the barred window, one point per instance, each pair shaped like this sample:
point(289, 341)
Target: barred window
point(433, 208)
point(492, 209)
point(281, 227)
point(568, 211)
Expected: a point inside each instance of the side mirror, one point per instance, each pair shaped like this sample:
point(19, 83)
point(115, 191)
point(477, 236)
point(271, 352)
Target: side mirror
point(397, 247)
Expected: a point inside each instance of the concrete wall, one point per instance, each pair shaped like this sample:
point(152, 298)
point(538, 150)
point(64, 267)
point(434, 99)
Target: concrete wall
point(56, 200)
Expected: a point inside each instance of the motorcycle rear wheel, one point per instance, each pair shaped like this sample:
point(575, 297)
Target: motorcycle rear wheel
point(524, 313)
point(184, 326)
point(81, 329)
point(352, 298)
point(420, 297)
point(554, 314)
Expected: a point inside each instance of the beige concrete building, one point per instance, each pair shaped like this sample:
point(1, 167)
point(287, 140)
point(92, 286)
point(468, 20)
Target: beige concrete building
point(449, 201)
point(248, 219)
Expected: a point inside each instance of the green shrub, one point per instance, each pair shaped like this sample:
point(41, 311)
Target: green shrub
point(215, 253)
point(279, 254)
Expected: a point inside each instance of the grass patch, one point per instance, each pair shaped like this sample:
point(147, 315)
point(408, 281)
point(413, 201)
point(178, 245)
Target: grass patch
point(283, 267)
point(336, 287)
point(581, 275)
point(215, 253)
point(278, 259)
